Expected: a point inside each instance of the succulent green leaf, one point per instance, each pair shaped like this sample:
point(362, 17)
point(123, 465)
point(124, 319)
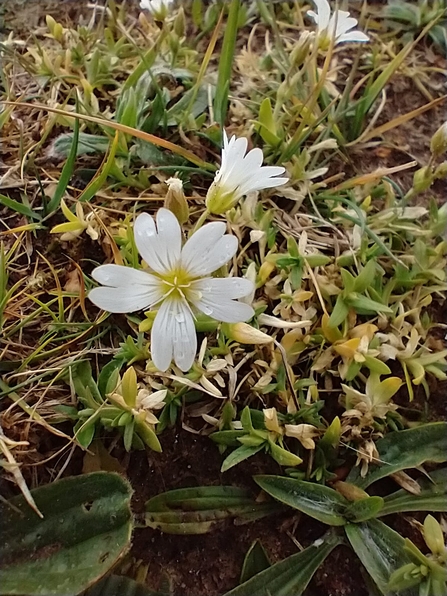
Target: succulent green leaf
point(364, 509)
point(202, 509)
point(365, 305)
point(339, 313)
point(366, 277)
point(290, 576)
point(317, 501)
point(433, 496)
point(380, 549)
point(86, 528)
point(256, 560)
point(405, 449)
point(238, 455)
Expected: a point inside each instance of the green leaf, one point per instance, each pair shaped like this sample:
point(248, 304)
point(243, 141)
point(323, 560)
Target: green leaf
point(405, 449)
point(282, 456)
point(87, 143)
point(256, 560)
point(199, 510)
point(364, 509)
point(348, 281)
point(339, 312)
point(433, 496)
point(227, 437)
point(226, 63)
point(119, 585)
point(101, 176)
point(317, 501)
point(290, 576)
point(266, 125)
point(380, 549)
point(86, 528)
point(366, 277)
point(108, 377)
point(365, 305)
point(238, 455)
point(66, 173)
point(19, 207)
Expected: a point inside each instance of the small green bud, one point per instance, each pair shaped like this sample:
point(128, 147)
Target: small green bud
point(176, 201)
point(441, 171)
point(179, 22)
point(438, 144)
point(301, 50)
point(422, 179)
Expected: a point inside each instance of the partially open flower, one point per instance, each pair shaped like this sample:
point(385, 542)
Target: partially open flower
point(178, 285)
point(159, 8)
point(239, 174)
point(338, 25)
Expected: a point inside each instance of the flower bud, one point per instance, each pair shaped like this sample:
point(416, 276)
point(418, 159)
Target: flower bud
point(302, 48)
point(246, 334)
point(176, 201)
point(441, 171)
point(179, 22)
point(438, 144)
point(422, 179)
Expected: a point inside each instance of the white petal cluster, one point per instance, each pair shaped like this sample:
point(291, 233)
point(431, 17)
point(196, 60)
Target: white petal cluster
point(156, 7)
point(339, 25)
point(239, 174)
point(178, 285)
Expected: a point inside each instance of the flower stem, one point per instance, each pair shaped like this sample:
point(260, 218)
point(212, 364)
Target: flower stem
point(199, 222)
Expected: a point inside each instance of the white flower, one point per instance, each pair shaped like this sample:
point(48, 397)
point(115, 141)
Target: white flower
point(239, 174)
point(159, 8)
point(178, 285)
point(338, 25)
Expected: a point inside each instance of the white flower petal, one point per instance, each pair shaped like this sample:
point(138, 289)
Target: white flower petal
point(225, 288)
point(173, 335)
point(169, 236)
point(136, 297)
point(123, 277)
point(241, 173)
point(159, 248)
point(227, 311)
point(208, 249)
point(323, 13)
point(185, 338)
point(162, 337)
point(353, 36)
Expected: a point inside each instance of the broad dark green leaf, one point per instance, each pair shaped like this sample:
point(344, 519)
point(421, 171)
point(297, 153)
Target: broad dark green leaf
point(380, 549)
point(256, 560)
point(405, 449)
point(86, 528)
point(291, 576)
point(364, 509)
point(433, 496)
point(199, 510)
point(321, 502)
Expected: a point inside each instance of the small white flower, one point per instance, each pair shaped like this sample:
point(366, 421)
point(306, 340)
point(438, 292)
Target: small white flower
point(178, 285)
point(159, 8)
point(239, 174)
point(338, 25)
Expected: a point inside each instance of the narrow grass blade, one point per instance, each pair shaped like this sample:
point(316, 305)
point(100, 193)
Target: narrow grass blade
point(226, 63)
point(66, 174)
point(19, 207)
